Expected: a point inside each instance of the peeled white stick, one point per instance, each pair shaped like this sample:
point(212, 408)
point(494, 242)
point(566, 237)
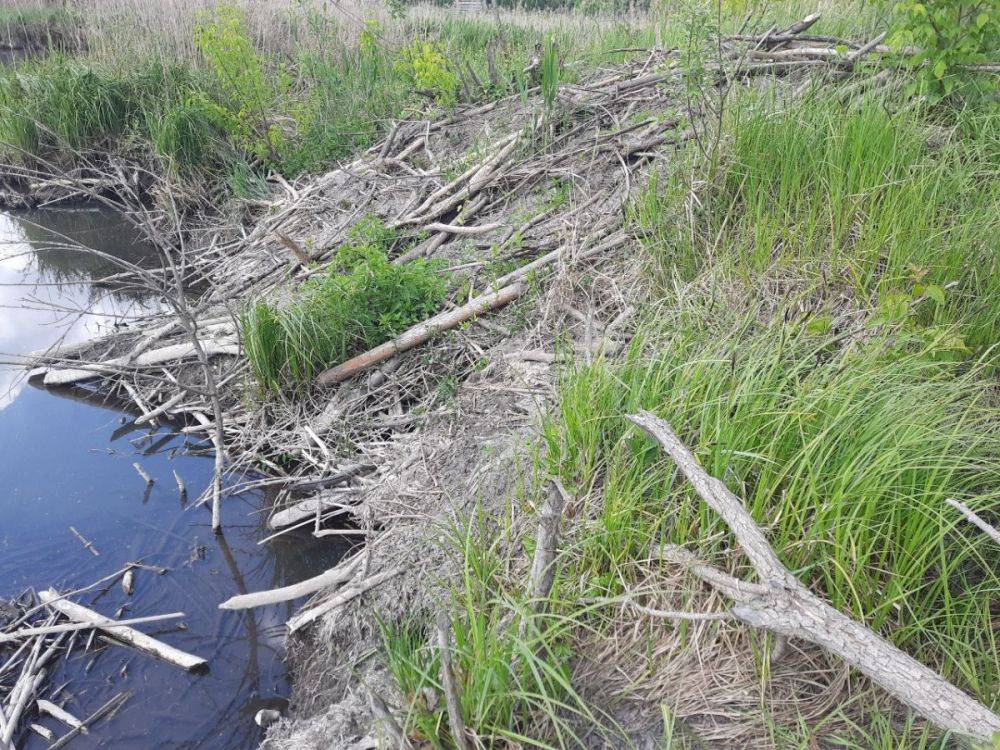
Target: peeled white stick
point(346, 594)
point(59, 714)
point(71, 626)
point(330, 578)
point(148, 479)
point(126, 635)
point(163, 408)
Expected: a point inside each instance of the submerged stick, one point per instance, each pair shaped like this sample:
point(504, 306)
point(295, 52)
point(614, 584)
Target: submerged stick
point(110, 706)
point(148, 479)
point(85, 542)
point(60, 714)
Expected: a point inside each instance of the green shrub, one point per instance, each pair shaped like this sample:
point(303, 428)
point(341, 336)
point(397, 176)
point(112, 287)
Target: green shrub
point(250, 96)
point(428, 70)
point(947, 35)
point(363, 301)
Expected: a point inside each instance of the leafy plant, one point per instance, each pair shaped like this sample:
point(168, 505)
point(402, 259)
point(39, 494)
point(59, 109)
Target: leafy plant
point(941, 37)
point(363, 301)
point(425, 66)
point(249, 96)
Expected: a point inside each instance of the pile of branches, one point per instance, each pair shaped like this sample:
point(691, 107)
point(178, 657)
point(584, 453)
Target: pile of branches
point(31, 645)
point(591, 138)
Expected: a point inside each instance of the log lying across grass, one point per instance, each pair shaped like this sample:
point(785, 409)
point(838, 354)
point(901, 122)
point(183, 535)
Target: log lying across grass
point(422, 332)
point(782, 605)
point(124, 634)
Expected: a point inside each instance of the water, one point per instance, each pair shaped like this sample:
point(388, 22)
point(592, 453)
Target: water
point(66, 460)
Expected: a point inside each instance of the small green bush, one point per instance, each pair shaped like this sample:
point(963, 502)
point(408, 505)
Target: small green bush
point(947, 35)
point(363, 301)
point(425, 66)
point(250, 95)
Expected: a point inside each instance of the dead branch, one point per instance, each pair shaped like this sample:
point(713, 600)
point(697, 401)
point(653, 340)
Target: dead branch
point(782, 605)
point(421, 333)
point(453, 702)
point(974, 518)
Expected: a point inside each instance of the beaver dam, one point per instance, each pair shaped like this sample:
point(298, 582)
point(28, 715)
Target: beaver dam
point(636, 398)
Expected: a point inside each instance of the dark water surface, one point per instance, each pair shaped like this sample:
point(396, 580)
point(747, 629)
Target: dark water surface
point(66, 460)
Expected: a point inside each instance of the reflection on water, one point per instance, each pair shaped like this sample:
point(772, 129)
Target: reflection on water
point(46, 290)
point(66, 460)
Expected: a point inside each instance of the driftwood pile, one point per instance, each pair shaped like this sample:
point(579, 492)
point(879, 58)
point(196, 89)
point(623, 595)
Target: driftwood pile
point(39, 631)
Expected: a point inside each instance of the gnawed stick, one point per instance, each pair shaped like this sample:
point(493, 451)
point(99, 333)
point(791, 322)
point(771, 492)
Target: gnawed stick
point(142, 473)
point(126, 635)
point(73, 626)
point(109, 707)
point(452, 701)
point(329, 579)
point(543, 570)
point(163, 408)
point(782, 605)
point(60, 714)
point(180, 485)
point(422, 332)
point(972, 517)
point(321, 503)
point(345, 595)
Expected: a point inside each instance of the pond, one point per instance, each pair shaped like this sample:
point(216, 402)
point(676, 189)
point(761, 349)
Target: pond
point(66, 461)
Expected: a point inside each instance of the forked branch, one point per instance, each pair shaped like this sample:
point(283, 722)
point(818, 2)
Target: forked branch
point(781, 604)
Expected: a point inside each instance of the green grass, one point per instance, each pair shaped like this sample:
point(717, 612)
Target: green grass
point(362, 301)
point(512, 664)
point(886, 203)
point(845, 456)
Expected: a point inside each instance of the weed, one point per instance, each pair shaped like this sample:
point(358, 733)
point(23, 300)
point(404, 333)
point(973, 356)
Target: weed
point(363, 301)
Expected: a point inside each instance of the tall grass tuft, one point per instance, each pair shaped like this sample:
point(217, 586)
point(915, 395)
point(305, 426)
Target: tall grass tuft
point(845, 458)
point(899, 208)
point(513, 665)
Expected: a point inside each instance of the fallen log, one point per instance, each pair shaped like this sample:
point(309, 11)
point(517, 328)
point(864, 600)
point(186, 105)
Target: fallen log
point(309, 507)
point(782, 605)
point(124, 634)
point(329, 579)
point(421, 332)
